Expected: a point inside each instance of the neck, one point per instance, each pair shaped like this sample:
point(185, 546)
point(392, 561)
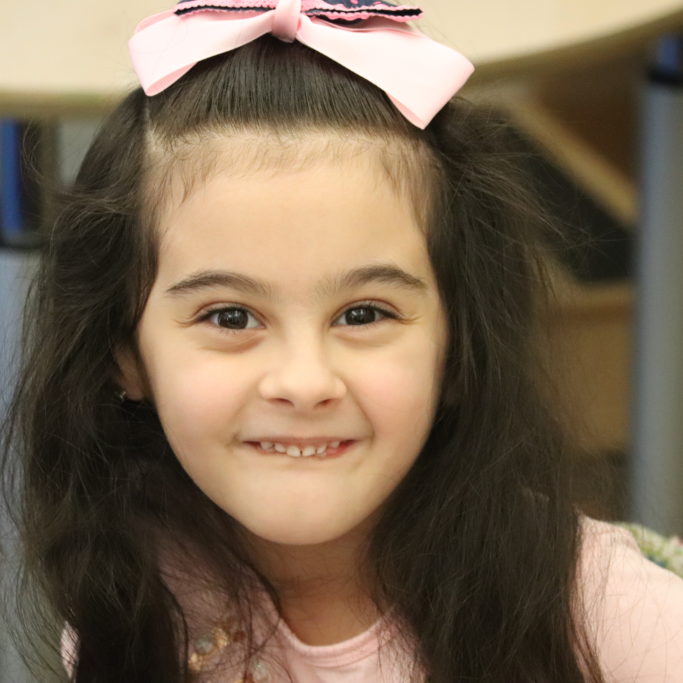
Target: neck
point(323, 588)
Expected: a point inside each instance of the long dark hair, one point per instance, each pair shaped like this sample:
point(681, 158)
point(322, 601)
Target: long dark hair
point(477, 547)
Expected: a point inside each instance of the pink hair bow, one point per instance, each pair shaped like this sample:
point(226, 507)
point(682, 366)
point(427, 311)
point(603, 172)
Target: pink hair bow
point(368, 37)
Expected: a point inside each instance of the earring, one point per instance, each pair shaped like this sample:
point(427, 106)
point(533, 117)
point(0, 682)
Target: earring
point(121, 395)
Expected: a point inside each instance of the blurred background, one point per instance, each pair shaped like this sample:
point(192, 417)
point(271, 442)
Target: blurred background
point(594, 93)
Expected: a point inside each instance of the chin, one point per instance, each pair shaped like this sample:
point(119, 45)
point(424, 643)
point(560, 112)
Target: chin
point(287, 533)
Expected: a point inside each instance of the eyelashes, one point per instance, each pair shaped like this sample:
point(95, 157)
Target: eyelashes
point(243, 313)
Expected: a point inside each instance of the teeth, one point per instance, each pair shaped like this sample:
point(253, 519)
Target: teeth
point(295, 451)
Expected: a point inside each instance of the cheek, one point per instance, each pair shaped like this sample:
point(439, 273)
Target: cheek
point(401, 389)
point(198, 398)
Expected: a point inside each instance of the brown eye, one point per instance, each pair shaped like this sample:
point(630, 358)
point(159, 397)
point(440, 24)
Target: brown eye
point(363, 315)
point(232, 318)
point(229, 318)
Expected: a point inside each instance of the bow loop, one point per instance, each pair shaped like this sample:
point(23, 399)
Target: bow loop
point(368, 37)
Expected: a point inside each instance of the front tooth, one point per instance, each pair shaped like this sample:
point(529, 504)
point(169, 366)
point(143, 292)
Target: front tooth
point(293, 450)
point(280, 448)
point(309, 450)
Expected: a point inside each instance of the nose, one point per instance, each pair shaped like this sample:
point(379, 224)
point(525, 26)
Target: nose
point(303, 377)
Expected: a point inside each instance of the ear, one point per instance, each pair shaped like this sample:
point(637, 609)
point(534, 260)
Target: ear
point(130, 374)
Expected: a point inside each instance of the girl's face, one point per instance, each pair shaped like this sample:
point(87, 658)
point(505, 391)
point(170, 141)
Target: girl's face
point(289, 305)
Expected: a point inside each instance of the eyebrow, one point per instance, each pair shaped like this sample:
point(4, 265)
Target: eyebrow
point(386, 273)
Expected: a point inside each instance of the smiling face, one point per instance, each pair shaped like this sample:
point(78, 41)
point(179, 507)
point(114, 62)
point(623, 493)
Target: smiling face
point(308, 351)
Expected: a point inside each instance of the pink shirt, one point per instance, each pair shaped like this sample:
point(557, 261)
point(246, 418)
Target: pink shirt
point(634, 608)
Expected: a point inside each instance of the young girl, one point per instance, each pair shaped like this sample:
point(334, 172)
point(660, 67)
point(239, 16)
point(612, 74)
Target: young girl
point(280, 416)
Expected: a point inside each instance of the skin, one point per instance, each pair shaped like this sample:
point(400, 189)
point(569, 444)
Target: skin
point(295, 364)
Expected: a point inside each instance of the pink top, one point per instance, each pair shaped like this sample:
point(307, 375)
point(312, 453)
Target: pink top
point(634, 607)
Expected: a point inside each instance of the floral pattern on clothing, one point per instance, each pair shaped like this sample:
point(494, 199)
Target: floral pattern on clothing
point(666, 551)
point(206, 650)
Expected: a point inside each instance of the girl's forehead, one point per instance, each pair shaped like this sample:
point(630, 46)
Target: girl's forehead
point(175, 173)
point(292, 227)
point(334, 200)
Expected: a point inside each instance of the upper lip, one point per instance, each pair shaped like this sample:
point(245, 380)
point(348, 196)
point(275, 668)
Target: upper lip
point(299, 441)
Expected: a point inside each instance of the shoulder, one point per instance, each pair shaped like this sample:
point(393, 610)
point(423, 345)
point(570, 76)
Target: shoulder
point(69, 647)
point(633, 608)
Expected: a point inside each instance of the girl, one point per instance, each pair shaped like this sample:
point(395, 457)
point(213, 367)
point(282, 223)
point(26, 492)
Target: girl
point(280, 416)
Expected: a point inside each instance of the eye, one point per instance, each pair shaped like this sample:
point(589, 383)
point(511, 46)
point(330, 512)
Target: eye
point(363, 314)
point(233, 319)
point(228, 318)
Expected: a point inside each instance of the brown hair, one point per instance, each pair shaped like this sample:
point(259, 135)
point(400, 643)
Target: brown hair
point(477, 546)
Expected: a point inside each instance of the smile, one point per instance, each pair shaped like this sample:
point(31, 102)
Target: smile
point(323, 452)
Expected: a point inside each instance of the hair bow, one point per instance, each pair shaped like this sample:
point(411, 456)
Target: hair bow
point(368, 37)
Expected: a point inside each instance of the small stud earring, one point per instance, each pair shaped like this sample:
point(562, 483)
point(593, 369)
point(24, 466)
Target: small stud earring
point(121, 395)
